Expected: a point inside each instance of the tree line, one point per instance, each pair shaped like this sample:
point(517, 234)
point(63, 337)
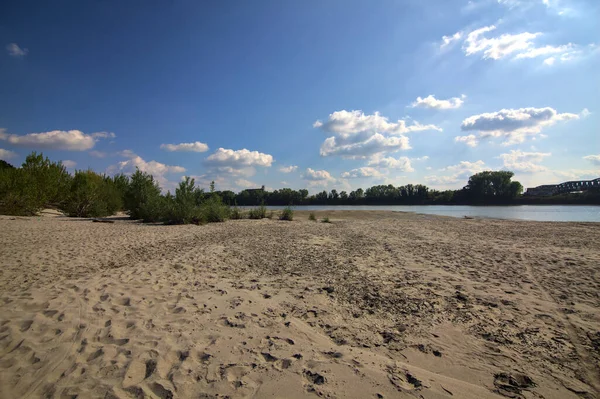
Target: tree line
point(41, 183)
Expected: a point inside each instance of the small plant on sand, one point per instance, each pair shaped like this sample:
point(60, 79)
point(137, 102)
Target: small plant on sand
point(287, 214)
point(325, 220)
point(236, 213)
point(312, 217)
point(213, 210)
point(258, 213)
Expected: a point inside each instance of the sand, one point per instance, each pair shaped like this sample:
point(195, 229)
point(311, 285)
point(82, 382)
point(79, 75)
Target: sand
point(373, 305)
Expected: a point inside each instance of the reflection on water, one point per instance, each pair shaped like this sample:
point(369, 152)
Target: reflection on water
point(553, 213)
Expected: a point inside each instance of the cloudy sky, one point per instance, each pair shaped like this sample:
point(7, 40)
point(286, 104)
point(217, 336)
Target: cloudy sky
point(305, 94)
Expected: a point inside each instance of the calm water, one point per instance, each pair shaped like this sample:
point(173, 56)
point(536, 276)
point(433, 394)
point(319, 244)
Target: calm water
point(552, 213)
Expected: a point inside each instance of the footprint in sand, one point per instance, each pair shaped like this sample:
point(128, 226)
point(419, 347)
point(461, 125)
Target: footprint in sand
point(26, 325)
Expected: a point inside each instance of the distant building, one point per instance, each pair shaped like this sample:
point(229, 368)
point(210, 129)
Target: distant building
point(542, 191)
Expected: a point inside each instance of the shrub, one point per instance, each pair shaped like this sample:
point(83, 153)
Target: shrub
point(143, 199)
point(312, 217)
point(91, 195)
point(270, 215)
point(258, 213)
point(182, 208)
point(38, 183)
point(325, 220)
point(287, 214)
point(213, 210)
point(236, 213)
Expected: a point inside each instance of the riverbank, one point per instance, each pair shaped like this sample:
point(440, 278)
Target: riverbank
point(375, 303)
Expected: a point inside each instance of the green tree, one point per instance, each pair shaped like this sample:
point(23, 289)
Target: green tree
point(492, 186)
point(143, 199)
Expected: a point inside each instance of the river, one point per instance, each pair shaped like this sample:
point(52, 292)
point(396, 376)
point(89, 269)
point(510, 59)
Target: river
point(547, 213)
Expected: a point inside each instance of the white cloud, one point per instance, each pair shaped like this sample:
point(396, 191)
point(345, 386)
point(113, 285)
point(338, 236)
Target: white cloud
point(67, 163)
point(288, 169)
point(375, 144)
point(72, 140)
point(595, 159)
point(459, 172)
point(156, 169)
point(317, 175)
point(190, 147)
point(514, 125)
point(401, 163)
point(103, 135)
point(347, 124)
point(15, 51)
point(431, 102)
point(240, 158)
point(497, 47)
point(356, 135)
point(243, 183)
point(98, 154)
point(365, 171)
point(470, 140)
point(520, 46)
point(448, 40)
point(441, 180)
point(545, 51)
point(5, 155)
point(466, 167)
point(525, 162)
point(423, 158)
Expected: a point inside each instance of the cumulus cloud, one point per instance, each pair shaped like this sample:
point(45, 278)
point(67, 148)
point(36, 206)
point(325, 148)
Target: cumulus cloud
point(514, 125)
point(365, 171)
point(459, 172)
point(71, 140)
point(243, 183)
point(431, 102)
point(376, 144)
point(156, 169)
point(189, 147)
point(240, 158)
point(5, 155)
point(317, 175)
point(288, 169)
point(470, 140)
point(401, 163)
point(525, 162)
point(347, 124)
point(466, 167)
point(67, 163)
point(356, 135)
point(595, 159)
point(15, 51)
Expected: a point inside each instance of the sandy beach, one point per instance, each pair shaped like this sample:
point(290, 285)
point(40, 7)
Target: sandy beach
point(374, 305)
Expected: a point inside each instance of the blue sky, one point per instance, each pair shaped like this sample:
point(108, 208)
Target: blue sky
point(305, 94)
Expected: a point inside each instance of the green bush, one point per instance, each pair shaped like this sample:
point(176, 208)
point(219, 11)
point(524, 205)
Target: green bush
point(287, 214)
point(236, 213)
point(312, 217)
point(258, 213)
point(325, 220)
point(182, 208)
point(213, 210)
point(143, 199)
point(38, 183)
point(92, 195)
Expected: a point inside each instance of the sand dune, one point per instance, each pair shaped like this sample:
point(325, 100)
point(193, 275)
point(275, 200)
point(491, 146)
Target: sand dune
point(376, 304)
